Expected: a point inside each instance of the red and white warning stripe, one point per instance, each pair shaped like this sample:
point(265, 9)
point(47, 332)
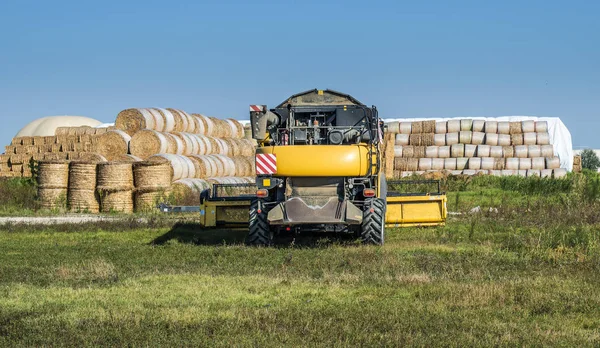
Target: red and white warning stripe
point(266, 164)
point(256, 108)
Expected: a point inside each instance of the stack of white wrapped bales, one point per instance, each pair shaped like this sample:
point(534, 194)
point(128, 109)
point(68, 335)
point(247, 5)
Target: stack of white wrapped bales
point(470, 147)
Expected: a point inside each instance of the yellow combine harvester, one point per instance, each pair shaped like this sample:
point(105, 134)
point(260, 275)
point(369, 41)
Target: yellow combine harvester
point(319, 168)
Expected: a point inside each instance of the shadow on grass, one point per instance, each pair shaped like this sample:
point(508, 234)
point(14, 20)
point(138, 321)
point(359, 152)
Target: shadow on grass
point(198, 235)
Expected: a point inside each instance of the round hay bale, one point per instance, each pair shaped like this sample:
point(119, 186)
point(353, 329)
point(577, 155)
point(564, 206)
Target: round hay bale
point(408, 164)
point(207, 124)
point(470, 150)
point(533, 172)
point(204, 166)
point(503, 127)
point(469, 172)
point(52, 198)
point(237, 129)
point(453, 126)
point(152, 175)
point(515, 128)
point(419, 151)
point(219, 165)
point(228, 164)
point(491, 139)
point(159, 120)
point(147, 201)
point(180, 123)
point(243, 166)
point(528, 126)
point(474, 163)
point(456, 172)
point(529, 138)
point(247, 147)
point(524, 163)
point(92, 157)
point(400, 164)
point(405, 127)
point(393, 127)
point(522, 173)
point(53, 174)
point(146, 143)
point(83, 201)
point(499, 163)
point(416, 127)
point(452, 138)
point(512, 163)
point(402, 139)
point(534, 151)
point(428, 139)
point(546, 173)
point(425, 163)
point(431, 151)
point(552, 163)
point(59, 131)
point(504, 140)
point(429, 126)
point(112, 144)
point(128, 158)
point(444, 152)
point(478, 126)
point(483, 150)
point(116, 201)
point(516, 139)
point(508, 151)
point(175, 144)
point(559, 173)
point(547, 151)
point(169, 119)
point(487, 163)
point(466, 125)
point(465, 137)
point(457, 150)
point(538, 163)
point(439, 139)
point(491, 127)
point(541, 127)
point(509, 172)
point(398, 151)
point(477, 138)
point(82, 176)
point(521, 151)
point(220, 128)
point(450, 163)
point(437, 164)
point(187, 142)
point(495, 172)
point(543, 138)
point(441, 127)
point(461, 163)
point(131, 121)
point(408, 151)
point(115, 176)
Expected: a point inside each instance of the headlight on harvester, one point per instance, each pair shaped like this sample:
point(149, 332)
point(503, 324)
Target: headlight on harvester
point(369, 192)
point(262, 193)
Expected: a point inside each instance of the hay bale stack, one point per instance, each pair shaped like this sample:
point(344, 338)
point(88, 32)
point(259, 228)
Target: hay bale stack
point(82, 195)
point(182, 166)
point(188, 190)
point(92, 157)
point(152, 183)
point(419, 151)
point(206, 122)
point(53, 182)
point(429, 126)
point(515, 128)
point(115, 186)
point(422, 139)
point(406, 164)
point(113, 144)
point(416, 127)
point(516, 139)
point(133, 120)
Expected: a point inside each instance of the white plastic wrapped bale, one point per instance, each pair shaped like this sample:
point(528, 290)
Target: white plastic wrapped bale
point(491, 139)
point(487, 163)
point(474, 163)
point(522, 172)
point(521, 151)
point(431, 151)
point(491, 127)
point(398, 151)
point(182, 166)
point(470, 150)
point(457, 150)
point(524, 163)
point(512, 164)
point(478, 125)
point(444, 152)
point(534, 151)
point(437, 163)
point(495, 172)
point(439, 139)
point(533, 172)
point(477, 138)
point(529, 138)
point(509, 172)
point(424, 163)
point(452, 138)
point(469, 172)
point(496, 151)
point(461, 163)
point(552, 163)
point(483, 151)
point(402, 139)
point(441, 127)
point(393, 127)
point(559, 173)
point(538, 163)
point(453, 126)
point(450, 163)
point(546, 173)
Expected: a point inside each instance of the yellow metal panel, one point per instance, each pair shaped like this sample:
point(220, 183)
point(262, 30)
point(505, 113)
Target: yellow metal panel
point(319, 160)
point(416, 210)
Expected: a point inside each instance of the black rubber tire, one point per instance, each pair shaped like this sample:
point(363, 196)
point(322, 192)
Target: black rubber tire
point(259, 232)
point(373, 225)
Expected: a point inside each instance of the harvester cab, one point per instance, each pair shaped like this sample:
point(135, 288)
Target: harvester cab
point(318, 168)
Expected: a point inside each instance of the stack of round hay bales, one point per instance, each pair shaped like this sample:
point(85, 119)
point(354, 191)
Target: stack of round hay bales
point(187, 191)
point(53, 182)
point(115, 187)
point(152, 183)
point(82, 195)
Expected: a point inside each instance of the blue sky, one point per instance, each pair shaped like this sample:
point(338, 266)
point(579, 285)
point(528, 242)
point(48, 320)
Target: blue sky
point(410, 58)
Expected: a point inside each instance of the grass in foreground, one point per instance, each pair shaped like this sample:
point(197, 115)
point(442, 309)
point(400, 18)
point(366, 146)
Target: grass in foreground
point(523, 274)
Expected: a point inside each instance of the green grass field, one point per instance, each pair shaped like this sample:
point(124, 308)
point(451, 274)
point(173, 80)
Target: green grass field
point(526, 273)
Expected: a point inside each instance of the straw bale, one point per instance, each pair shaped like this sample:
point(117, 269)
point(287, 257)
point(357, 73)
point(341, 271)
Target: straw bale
point(131, 121)
point(4, 158)
point(53, 174)
point(82, 175)
point(147, 142)
point(441, 127)
point(100, 131)
point(61, 139)
point(429, 126)
point(466, 125)
point(116, 201)
point(17, 168)
point(52, 198)
point(405, 127)
point(85, 138)
point(61, 131)
point(515, 128)
point(26, 141)
point(541, 127)
point(17, 141)
point(152, 176)
point(146, 201)
point(207, 124)
point(393, 127)
point(10, 149)
point(115, 176)
point(16, 159)
point(83, 201)
point(91, 157)
point(238, 128)
point(408, 151)
point(508, 151)
point(113, 144)
point(417, 127)
point(71, 156)
point(204, 166)
point(576, 159)
point(37, 140)
point(516, 139)
point(180, 123)
point(127, 158)
point(419, 151)
point(20, 150)
point(499, 163)
point(406, 164)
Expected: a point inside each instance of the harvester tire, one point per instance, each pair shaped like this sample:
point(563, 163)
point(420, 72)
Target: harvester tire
point(259, 233)
point(373, 225)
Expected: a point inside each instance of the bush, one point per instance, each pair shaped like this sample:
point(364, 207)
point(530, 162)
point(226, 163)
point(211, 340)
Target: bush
point(17, 195)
